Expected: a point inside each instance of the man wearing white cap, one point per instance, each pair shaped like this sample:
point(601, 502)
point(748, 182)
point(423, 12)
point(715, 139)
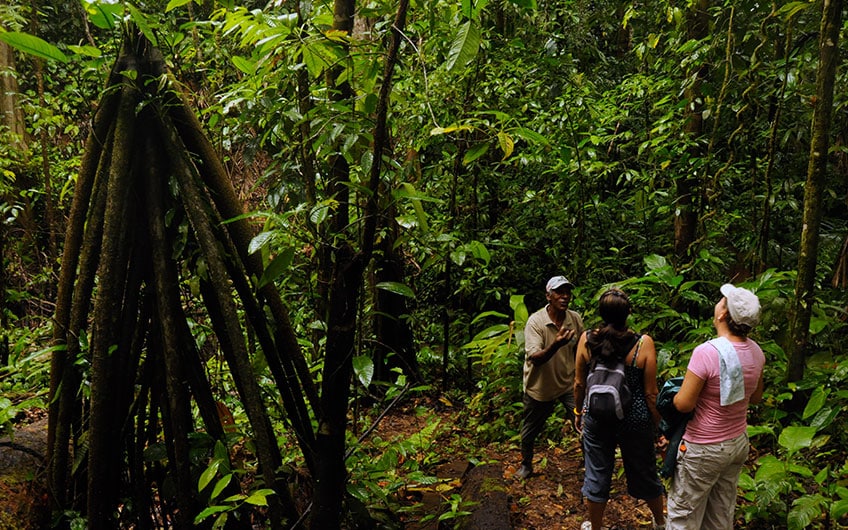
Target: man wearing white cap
point(723, 376)
point(550, 339)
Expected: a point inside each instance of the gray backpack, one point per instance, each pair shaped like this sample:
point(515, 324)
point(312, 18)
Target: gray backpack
point(607, 395)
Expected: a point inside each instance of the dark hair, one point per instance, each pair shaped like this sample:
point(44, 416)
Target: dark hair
point(740, 330)
point(612, 340)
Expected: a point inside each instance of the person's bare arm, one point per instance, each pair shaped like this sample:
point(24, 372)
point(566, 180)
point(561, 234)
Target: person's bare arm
point(757, 396)
point(648, 352)
point(581, 360)
point(544, 355)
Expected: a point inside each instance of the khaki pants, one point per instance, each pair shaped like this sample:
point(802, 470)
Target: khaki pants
point(703, 489)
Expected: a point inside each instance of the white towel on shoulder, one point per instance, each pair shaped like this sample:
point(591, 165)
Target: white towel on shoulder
point(731, 378)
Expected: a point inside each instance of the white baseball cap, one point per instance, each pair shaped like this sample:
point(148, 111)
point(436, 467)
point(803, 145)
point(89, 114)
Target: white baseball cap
point(742, 304)
point(556, 282)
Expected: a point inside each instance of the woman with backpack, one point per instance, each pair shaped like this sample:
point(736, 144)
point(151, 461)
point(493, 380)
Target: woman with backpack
point(723, 376)
point(617, 412)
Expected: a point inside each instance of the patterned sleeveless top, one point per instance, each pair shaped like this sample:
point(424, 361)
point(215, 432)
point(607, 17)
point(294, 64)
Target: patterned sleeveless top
point(639, 417)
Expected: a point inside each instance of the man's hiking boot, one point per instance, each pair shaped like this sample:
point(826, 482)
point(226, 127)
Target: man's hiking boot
point(524, 471)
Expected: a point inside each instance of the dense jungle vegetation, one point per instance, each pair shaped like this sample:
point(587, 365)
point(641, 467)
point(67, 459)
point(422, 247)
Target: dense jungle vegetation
point(234, 232)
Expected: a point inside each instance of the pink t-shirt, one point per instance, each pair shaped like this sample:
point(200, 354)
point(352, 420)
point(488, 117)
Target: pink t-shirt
point(711, 422)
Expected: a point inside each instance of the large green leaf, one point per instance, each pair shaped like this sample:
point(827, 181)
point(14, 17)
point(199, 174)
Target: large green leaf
point(103, 14)
point(816, 402)
point(277, 267)
point(247, 66)
point(258, 498)
point(407, 190)
point(804, 511)
point(795, 438)
point(141, 20)
point(530, 135)
point(465, 46)
point(770, 469)
point(519, 308)
point(173, 4)
point(839, 509)
point(397, 288)
point(33, 45)
point(363, 367)
point(474, 153)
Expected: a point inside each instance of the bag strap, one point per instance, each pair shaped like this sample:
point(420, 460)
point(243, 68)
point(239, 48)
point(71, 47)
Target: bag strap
point(635, 355)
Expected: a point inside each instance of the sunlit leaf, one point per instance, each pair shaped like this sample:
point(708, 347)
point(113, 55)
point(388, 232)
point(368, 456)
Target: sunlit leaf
point(795, 438)
point(173, 4)
point(222, 483)
point(141, 21)
point(89, 51)
point(259, 498)
point(408, 190)
point(212, 510)
point(245, 65)
point(33, 45)
point(259, 241)
point(208, 474)
point(506, 143)
point(446, 130)
point(397, 288)
point(465, 46)
point(104, 15)
point(363, 367)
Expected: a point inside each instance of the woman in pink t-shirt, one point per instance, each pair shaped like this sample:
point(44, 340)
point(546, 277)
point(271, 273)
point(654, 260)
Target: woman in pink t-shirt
point(724, 375)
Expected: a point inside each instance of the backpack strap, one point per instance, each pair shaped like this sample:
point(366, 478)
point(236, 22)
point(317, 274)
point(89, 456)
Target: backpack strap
point(635, 355)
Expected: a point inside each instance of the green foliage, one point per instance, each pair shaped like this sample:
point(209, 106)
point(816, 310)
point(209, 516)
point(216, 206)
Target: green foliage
point(498, 356)
point(383, 469)
point(458, 509)
point(33, 45)
point(25, 381)
point(801, 482)
point(222, 474)
point(527, 139)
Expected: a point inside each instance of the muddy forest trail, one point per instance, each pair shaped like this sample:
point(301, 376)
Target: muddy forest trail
point(550, 499)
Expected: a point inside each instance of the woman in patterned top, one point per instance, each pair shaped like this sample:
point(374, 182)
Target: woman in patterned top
point(635, 434)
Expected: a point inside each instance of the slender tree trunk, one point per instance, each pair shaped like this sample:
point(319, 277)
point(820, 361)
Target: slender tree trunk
point(688, 186)
point(816, 177)
point(347, 278)
point(394, 346)
point(11, 115)
point(11, 118)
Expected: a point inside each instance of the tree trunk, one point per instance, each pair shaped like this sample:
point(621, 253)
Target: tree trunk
point(347, 277)
point(11, 116)
point(802, 305)
point(394, 346)
point(12, 120)
point(686, 216)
